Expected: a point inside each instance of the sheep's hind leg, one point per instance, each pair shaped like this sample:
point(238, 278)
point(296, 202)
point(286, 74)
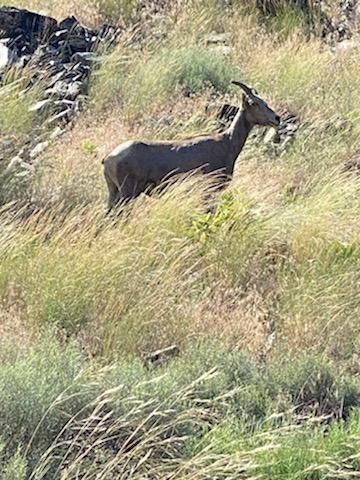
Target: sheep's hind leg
point(113, 194)
point(129, 189)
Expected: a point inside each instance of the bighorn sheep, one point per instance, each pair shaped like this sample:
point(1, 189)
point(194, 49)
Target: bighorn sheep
point(135, 166)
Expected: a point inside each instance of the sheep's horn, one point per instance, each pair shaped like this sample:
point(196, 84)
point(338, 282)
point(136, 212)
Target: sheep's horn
point(246, 89)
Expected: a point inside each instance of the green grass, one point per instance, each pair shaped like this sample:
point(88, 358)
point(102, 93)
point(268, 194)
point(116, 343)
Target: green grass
point(209, 412)
point(190, 70)
point(117, 10)
point(260, 294)
point(18, 123)
point(139, 82)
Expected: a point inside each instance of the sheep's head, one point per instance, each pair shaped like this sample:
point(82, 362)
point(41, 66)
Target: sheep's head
point(257, 110)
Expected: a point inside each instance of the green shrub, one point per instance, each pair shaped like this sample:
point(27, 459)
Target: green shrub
point(306, 452)
point(314, 384)
point(116, 10)
point(315, 452)
point(171, 70)
point(235, 370)
point(15, 185)
point(31, 388)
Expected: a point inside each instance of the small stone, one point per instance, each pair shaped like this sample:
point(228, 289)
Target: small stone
point(215, 38)
point(36, 151)
point(271, 135)
point(291, 128)
point(14, 162)
point(85, 58)
point(223, 49)
point(6, 56)
point(159, 357)
point(73, 90)
point(56, 133)
point(39, 105)
point(347, 46)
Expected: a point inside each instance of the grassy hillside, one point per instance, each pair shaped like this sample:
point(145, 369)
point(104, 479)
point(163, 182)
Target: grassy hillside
point(261, 295)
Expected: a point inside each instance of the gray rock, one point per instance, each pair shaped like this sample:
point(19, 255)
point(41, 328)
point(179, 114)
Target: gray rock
point(38, 149)
point(85, 58)
point(6, 56)
point(78, 103)
point(38, 106)
point(56, 133)
point(159, 357)
point(18, 165)
point(62, 116)
point(68, 23)
point(61, 56)
point(216, 38)
point(64, 103)
point(272, 136)
point(58, 90)
point(346, 46)
point(12, 18)
point(291, 128)
point(14, 162)
point(74, 89)
point(55, 78)
point(25, 171)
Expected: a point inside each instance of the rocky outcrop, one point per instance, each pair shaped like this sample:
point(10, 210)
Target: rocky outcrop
point(61, 55)
point(340, 25)
point(23, 31)
point(334, 21)
point(271, 7)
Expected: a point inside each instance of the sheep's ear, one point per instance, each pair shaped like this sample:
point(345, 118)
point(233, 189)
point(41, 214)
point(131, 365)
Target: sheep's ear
point(246, 100)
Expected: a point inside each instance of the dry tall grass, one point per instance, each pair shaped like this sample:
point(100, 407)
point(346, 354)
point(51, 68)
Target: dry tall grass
point(273, 270)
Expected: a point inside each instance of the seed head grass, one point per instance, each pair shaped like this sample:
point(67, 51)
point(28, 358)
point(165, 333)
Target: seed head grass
point(257, 284)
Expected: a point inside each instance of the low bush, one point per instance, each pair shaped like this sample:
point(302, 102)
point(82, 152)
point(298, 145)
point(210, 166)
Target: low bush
point(39, 389)
point(172, 70)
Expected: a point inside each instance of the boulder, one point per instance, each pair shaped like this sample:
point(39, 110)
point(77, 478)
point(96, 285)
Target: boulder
point(60, 55)
point(159, 357)
point(38, 149)
point(346, 46)
point(12, 18)
point(39, 106)
point(217, 38)
point(84, 58)
point(6, 56)
point(26, 28)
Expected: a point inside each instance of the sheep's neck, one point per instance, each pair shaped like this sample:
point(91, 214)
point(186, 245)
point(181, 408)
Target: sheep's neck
point(238, 133)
